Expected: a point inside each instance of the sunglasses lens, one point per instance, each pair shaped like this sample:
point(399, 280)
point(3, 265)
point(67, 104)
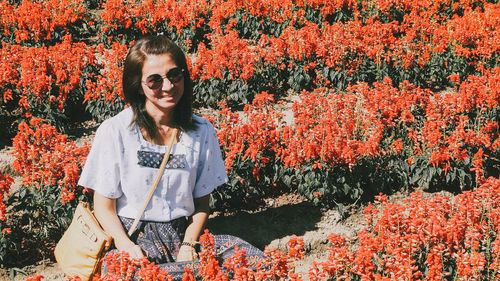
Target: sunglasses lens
point(154, 81)
point(175, 75)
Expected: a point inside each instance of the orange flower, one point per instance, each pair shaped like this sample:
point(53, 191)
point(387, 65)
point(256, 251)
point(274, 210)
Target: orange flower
point(5, 184)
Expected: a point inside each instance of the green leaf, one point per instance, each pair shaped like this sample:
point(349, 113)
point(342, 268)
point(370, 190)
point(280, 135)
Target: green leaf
point(346, 188)
point(22, 193)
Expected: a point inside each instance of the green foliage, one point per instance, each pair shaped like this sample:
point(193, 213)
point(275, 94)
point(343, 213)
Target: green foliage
point(8, 124)
point(428, 177)
point(72, 110)
point(341, 185)
point(211, 91)
point(37, 221)
point(252, 27)
point(250, 183)
point(9, 244)
point(266, 78)
point(299, 79)
point(433, 74)
point(101, 110)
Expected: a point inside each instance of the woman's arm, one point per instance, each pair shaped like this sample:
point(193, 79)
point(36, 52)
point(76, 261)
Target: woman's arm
point(196, 225)
point(105, 212)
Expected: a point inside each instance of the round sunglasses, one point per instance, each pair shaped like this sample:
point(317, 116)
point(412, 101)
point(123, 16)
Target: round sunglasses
point(155, 81)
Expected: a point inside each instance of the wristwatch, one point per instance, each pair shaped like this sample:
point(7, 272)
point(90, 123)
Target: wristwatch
point(195, 245)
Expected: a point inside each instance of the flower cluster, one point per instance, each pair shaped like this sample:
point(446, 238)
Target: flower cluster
point(387, 36)
point(254, 136)
point(35, 278)
point(313, 44)
point(448, 237)
point(106, 86)
point(5, 183)
point(150, 16)
point(333, 128)
point(121, 267)
point(43, 77)
point(378, 136)
point(38, 20)
point(295, 247)
point(227, 53)
point(44, 157)
point(449, 133)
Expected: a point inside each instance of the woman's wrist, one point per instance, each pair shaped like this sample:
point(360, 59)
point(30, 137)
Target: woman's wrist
point(123, 243)
point(187, 252)
point(191, 246)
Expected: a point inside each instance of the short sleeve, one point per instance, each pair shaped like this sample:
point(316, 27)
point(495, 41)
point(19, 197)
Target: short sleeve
point(211, 170)
point(102, 169)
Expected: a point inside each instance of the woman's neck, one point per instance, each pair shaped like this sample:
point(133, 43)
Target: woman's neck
point(162, 118)
point(164, 122)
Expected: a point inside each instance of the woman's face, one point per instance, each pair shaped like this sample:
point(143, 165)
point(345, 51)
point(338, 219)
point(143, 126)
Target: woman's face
point(162, 74)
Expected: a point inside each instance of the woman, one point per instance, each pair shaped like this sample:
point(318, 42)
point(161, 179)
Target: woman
point(128, 148)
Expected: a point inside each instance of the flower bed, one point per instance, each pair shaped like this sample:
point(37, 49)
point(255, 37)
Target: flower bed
point(392, 96)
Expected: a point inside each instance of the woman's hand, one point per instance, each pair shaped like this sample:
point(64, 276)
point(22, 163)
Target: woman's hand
point(187, 253)
point(105, 212)
point(128, 246)
point(197, 222)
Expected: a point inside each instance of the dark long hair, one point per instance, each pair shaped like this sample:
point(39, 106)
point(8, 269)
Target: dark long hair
point(132, 89)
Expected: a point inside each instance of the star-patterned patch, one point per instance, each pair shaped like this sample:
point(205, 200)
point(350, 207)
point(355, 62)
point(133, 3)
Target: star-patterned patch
point(153, 160)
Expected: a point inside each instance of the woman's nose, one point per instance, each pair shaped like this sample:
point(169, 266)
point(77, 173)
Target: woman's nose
point(167, 85)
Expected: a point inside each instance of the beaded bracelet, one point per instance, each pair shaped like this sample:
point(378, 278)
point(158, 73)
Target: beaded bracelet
point(190, 244)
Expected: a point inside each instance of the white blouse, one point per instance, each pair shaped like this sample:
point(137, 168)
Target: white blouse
point(112, 169)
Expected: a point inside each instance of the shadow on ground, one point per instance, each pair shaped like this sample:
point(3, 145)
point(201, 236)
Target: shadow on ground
point(260, 228)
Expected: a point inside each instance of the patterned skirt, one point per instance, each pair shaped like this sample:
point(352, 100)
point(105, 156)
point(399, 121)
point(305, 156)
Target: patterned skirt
point(161, 242)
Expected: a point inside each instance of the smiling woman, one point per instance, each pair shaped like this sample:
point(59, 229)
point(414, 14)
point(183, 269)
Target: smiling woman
point(161, 96)
point(127, 148)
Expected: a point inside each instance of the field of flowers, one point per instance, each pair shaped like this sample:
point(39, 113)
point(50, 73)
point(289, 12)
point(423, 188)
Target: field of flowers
point(387, 96)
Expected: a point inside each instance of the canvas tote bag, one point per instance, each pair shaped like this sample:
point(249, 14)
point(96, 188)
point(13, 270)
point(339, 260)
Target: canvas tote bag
point(83, 244)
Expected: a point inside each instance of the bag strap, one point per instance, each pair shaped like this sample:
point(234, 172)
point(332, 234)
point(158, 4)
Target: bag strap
point(153, 187)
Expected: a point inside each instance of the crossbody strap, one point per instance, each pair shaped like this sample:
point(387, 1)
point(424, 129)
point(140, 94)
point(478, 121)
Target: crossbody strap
point(157, 180)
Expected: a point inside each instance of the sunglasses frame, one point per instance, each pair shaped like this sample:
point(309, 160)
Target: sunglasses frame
point(171, 79)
